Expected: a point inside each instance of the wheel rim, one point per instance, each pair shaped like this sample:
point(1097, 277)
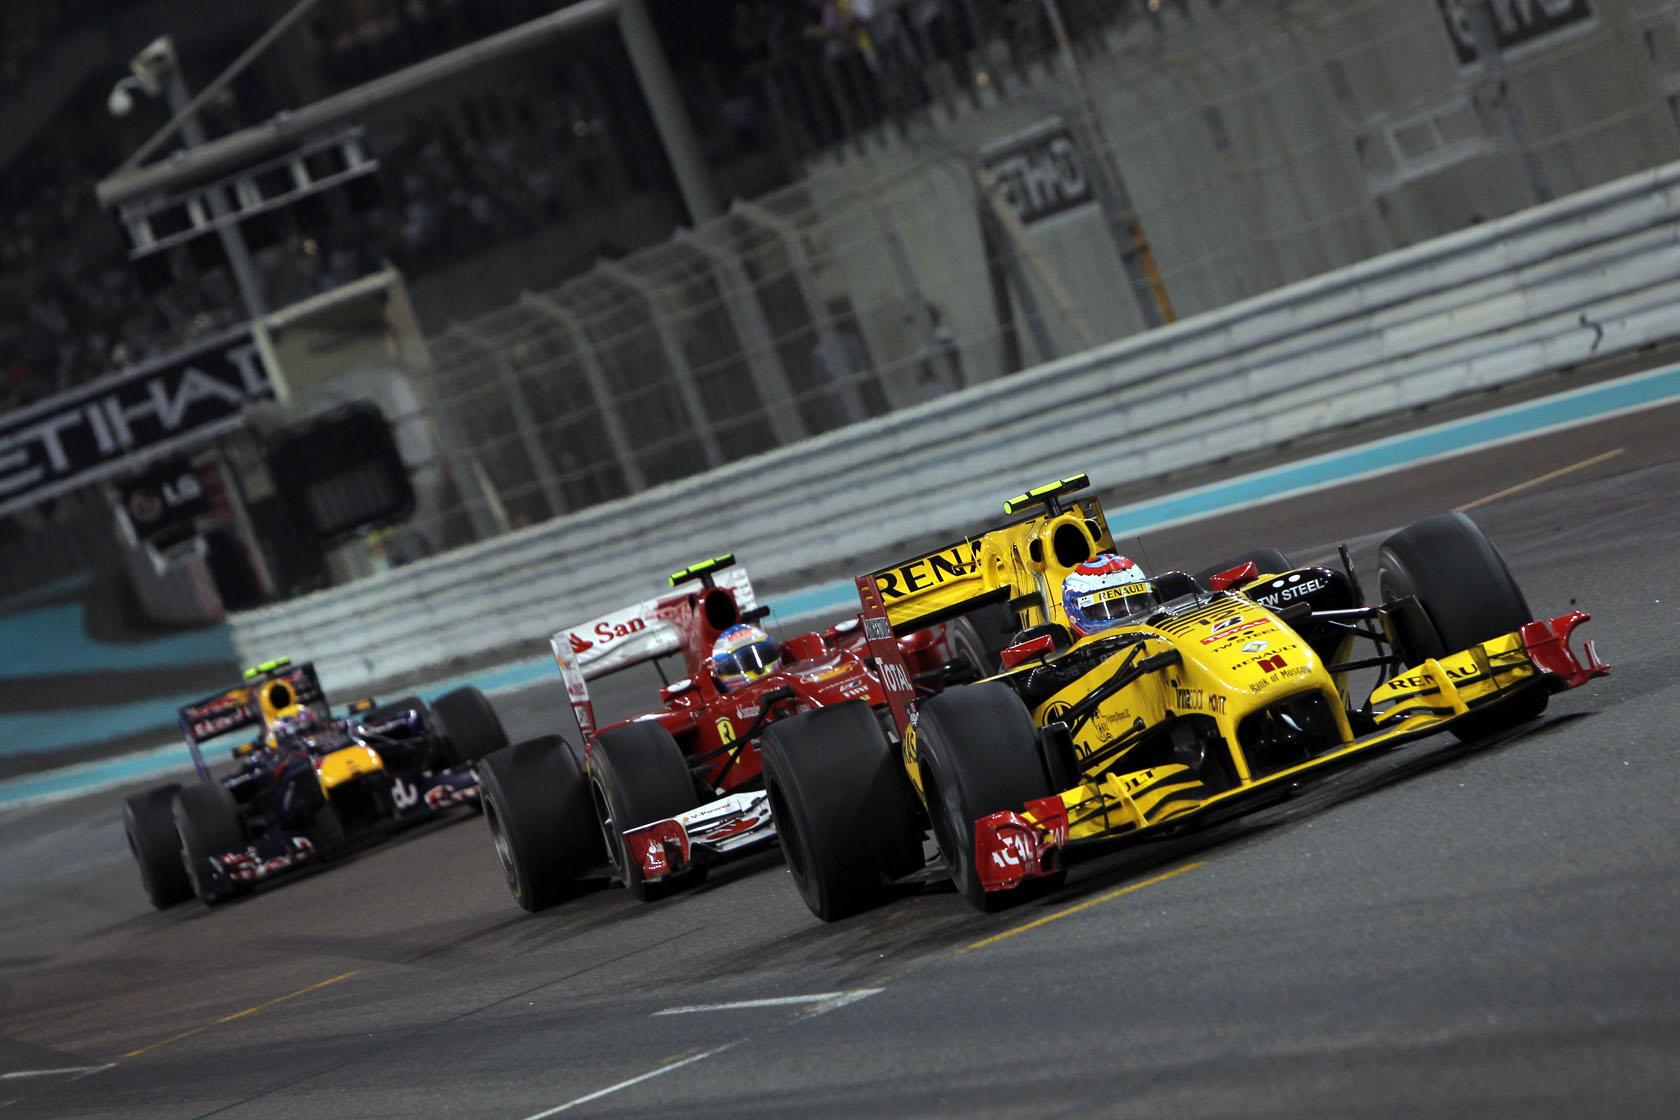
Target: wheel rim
point(612, 838)
point(969, 647)
point(504, 847)
point(793, 845)
point(956, 855)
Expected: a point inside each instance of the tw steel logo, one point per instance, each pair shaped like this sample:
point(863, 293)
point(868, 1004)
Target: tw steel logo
point(956, 562)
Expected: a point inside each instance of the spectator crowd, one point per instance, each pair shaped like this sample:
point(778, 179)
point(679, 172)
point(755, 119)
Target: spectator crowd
point(519, 150)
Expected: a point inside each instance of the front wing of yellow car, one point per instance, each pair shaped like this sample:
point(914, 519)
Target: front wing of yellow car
point(1015, 845)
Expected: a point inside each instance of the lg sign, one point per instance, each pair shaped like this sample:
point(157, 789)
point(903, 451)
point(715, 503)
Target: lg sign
point(1513, 23)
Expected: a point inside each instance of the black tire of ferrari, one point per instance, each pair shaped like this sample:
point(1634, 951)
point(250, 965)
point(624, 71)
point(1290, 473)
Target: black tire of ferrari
point(963, 639)
point(1270, 561)
point(149, 822)
point(978, 751)
point(1469, 595)
point(846, 815)
point(207, 821)
point(641, 776)
point(541, 819)
point(469, 724)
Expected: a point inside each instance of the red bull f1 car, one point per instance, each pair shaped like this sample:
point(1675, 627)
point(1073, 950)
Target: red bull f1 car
point(307, 786)
point(1132, 704)
point(653, 799)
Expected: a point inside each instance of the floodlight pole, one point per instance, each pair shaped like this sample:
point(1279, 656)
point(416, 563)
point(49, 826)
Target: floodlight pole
point(670, 119)
point(245, 277)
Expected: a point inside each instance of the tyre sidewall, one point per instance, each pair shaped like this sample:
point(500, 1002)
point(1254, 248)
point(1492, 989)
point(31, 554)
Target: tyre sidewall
point(149, 822)
point(469, 724)
point(640, 776)
point(978, 751)
point(207, 820)
point(541, 821)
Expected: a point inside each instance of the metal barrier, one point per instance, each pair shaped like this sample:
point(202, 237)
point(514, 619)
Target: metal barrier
point(1588, 275)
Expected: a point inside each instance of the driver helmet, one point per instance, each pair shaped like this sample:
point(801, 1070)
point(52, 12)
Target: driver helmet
point(743, 654)
point(301, 722)
point(1104, 591)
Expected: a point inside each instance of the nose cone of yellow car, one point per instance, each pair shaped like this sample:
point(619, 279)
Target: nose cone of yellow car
point(350, 762)
point(1250, 652)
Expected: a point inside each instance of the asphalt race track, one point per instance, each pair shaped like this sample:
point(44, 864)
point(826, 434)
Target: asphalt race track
point(1447, 931)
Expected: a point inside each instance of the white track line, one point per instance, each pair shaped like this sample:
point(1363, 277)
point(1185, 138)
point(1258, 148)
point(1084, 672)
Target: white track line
point(838, 999)
point(649, 1075)
point(64, 1072)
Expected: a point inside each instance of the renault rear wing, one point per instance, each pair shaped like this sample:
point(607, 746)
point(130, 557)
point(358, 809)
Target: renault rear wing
point(631, 636)
point(1014, 563)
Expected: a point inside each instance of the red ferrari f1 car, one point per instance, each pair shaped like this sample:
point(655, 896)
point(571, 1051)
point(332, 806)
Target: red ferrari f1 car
point(651, 800)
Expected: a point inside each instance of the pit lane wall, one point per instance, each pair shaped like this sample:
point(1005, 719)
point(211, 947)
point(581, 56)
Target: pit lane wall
point(1578, 279)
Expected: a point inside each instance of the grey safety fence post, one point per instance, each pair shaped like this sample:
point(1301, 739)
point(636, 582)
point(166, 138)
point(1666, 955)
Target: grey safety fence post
point(612, 422)
point(687, 390)
point(484, 508)
point(523, 420)
point(758, 345)
point(828, 339)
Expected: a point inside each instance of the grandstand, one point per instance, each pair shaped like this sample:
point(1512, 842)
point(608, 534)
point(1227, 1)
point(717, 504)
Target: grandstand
point(917, 195)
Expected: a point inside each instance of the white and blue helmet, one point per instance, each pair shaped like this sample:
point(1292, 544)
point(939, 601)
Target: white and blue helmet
point(1104, 591)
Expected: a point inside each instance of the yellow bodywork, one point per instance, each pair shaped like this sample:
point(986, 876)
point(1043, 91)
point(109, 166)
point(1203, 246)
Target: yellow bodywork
point(1224, 660)
point(1033, 555)
point(346, 764)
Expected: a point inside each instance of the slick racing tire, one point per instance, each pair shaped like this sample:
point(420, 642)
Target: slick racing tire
point(845, 813)
point(402, 753)
point(542, 823)
point(1270, 561)
point(470, 724)
point(207, 821)
point(639, 775)
point(1466, 594)
point(963, 639)
point(978, 751)
point(150, 824)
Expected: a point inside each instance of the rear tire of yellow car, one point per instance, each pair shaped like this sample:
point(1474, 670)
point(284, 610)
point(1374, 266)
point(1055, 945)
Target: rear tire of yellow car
point(150, 824)
point(639, 775)
point(1468, 594)
point(845, 814)
point(978, 752)
point(207, 821)
point(542, 823)
point(469, 724)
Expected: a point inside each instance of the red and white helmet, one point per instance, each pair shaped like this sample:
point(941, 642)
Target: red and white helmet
point(1104, 591)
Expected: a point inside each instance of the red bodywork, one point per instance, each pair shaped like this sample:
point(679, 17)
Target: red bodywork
point(817, 669)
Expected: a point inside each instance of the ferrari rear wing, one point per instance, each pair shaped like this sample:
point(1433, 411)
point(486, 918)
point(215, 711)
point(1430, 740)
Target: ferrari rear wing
point(627, 637)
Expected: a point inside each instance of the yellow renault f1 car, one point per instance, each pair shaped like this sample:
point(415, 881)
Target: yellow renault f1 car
point(1190, 698)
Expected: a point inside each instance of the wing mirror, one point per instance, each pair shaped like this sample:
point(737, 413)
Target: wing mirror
point(1234, 577)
